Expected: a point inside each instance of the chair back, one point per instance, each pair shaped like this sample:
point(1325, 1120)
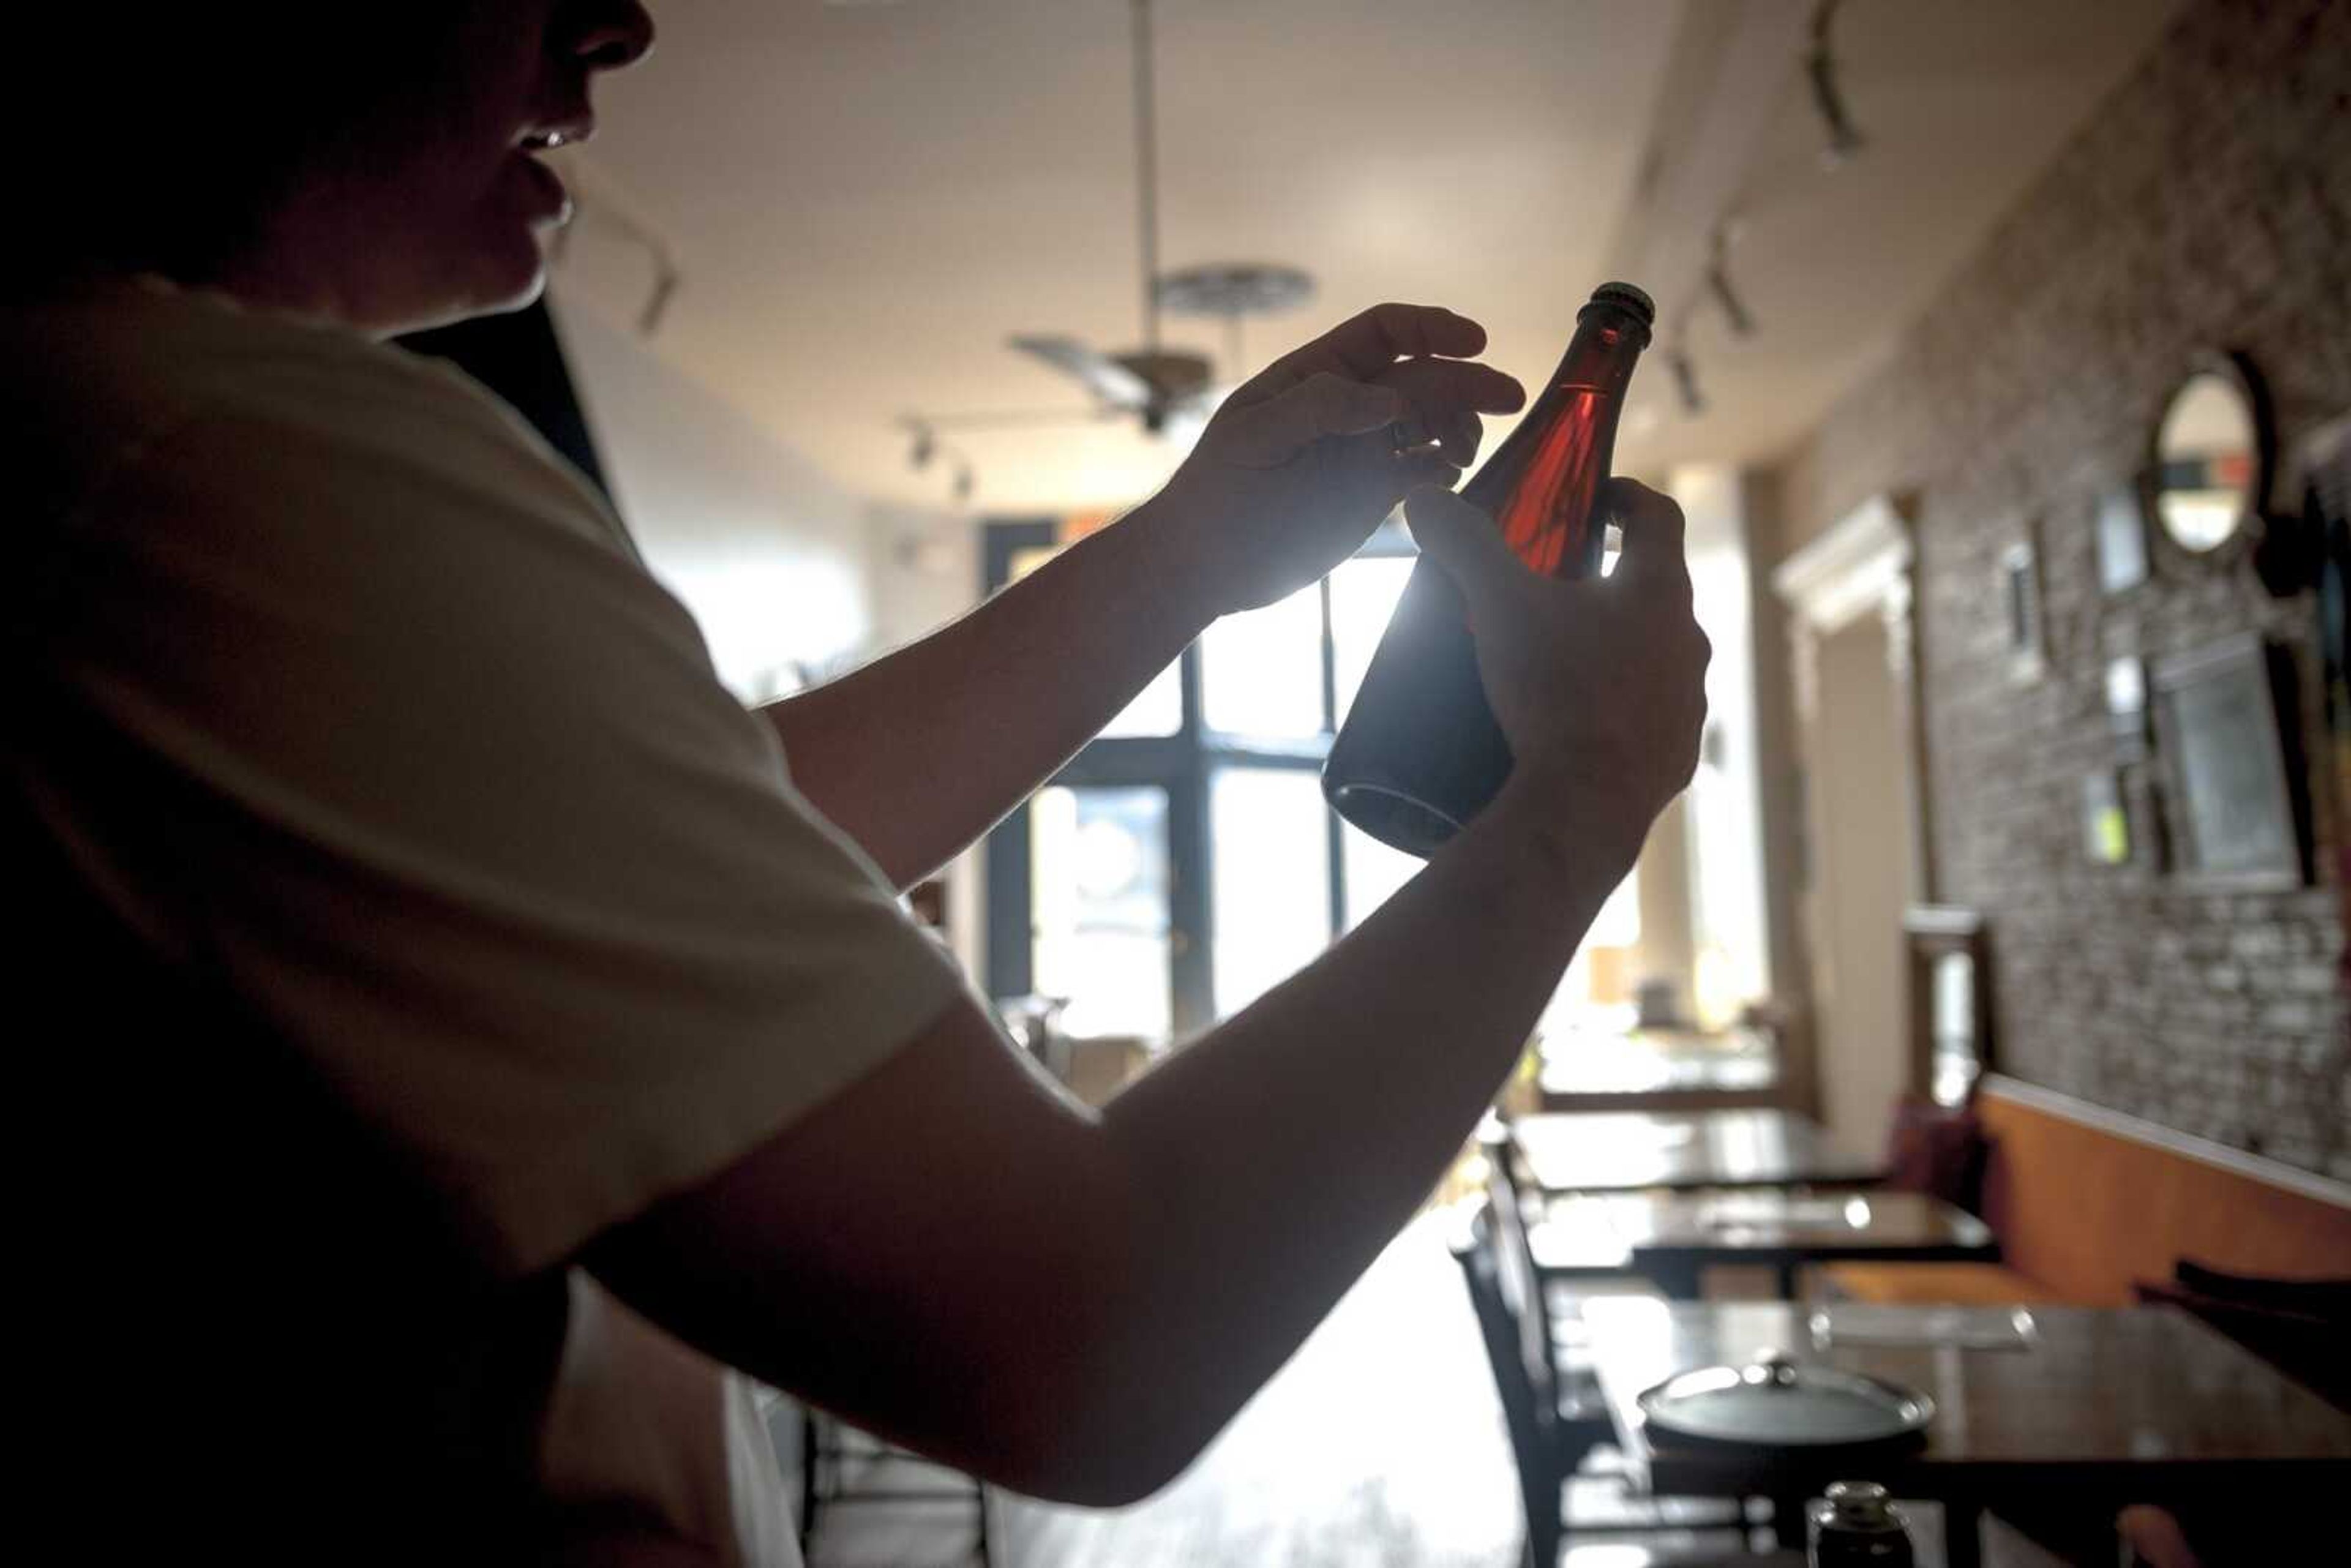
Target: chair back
point(1529, 1411)
point(1521, 1281)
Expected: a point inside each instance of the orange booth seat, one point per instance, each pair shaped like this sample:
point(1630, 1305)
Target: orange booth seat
point(2086, 1200)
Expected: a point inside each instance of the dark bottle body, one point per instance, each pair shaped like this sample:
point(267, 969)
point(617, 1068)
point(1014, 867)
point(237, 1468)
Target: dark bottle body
point(1420, 753)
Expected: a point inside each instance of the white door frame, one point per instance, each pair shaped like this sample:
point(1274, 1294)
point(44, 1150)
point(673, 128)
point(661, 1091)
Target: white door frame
point(1864, 564)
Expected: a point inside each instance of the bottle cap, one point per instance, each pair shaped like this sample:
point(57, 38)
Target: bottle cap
point(1860, 1502)
point(1631, 298)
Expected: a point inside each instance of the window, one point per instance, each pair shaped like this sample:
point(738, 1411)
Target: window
point(1363, 594)
point(1184, 862)
point(1270, 879)
point(1101, 936)
point(1261, 672)
point(1157, 709)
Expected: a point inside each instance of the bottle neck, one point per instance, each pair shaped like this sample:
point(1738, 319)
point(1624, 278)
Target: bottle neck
point(1862, 1505)
point(1542, 484)
point(1601, 355)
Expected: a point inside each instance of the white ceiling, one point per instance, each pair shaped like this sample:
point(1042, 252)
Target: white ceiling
point(867, 200)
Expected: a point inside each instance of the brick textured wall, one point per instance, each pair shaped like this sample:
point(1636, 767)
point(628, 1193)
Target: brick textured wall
point(2208, 203)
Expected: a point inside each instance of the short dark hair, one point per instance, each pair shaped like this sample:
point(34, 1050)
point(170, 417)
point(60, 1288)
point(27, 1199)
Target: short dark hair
point(161, 132)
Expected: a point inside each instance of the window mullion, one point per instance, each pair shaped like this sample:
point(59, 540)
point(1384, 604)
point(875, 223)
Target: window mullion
point(1191, 896)
point(1338, 877)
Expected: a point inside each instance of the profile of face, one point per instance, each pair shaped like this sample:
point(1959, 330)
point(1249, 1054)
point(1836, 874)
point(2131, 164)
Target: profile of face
point(432, 203)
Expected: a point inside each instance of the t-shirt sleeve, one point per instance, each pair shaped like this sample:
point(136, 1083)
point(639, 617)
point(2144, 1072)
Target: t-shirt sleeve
point(375, 720)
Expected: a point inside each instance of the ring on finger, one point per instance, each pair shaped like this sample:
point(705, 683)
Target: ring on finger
point(1408, 435)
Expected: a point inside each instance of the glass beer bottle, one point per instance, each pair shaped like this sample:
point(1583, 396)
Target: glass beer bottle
point(1420, 753)
point(1855, 1526)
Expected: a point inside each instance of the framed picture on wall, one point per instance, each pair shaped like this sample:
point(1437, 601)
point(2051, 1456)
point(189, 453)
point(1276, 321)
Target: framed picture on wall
point(2121, 528)
point(2126, 692)
point(2020, 589)
point(2238, 818)
point(2106, 826)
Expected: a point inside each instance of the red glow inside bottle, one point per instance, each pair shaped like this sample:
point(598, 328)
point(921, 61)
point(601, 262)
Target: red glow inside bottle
point(1420, 753)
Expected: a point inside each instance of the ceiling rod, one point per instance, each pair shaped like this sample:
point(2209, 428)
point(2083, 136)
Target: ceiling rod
point(1147, 182)
point(597, 199)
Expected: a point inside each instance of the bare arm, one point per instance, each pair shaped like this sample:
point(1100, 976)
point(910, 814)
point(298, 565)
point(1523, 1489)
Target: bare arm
point(956, 1255)
point(918, 754)
point(961, 1260)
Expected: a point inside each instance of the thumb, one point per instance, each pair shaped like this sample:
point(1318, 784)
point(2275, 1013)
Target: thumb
point(1655, 530)
point(1322, 404)
point(1466, 543)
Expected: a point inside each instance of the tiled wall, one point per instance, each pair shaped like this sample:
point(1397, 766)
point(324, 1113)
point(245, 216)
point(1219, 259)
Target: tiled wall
point(2207, 204)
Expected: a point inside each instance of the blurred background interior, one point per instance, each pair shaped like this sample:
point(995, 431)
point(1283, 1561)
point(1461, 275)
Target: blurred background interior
point(2003, 368)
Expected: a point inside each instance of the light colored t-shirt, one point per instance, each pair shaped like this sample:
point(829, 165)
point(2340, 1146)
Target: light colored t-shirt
point(367, 782)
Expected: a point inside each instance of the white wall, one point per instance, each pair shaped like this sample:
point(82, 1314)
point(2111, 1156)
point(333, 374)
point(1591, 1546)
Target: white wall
point(1862, 872)
point(1730, 937)
point(924, 568)
point(793, 580)
point(769, 555)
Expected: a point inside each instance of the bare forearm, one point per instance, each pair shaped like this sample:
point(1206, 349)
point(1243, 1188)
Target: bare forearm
point(1272, 1159)
point(1073, 1303)
point(920, 753)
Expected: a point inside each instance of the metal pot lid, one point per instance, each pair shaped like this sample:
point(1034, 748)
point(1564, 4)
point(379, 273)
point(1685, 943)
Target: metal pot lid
point(1779, 1402)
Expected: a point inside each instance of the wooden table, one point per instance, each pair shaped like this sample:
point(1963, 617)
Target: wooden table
point(1673, 1238)
point(2108, 1407)
point(1590, 1070)
point(1625, 1151)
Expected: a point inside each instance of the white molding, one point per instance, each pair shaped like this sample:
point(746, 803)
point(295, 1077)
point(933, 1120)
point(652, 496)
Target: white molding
point(1851, 570)
point(1941, 920)
point(1805, 670)
point(1895, 607)
point(2122, 1125)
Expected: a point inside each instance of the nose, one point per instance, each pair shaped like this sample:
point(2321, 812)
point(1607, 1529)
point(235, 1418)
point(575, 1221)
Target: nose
point(610, 35)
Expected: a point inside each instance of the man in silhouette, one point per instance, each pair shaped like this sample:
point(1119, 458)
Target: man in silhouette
point(414, 931)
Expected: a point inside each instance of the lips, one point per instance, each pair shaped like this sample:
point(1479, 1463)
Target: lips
point(546, 137)
point(566, 125)
point(549, 200)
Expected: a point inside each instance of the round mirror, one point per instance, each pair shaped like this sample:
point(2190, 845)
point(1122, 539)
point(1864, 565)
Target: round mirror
point(2207, 474)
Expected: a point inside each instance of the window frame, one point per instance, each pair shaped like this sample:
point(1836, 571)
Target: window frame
point(1183, 764)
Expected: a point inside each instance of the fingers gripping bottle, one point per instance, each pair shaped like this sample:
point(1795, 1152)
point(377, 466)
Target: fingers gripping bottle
point(1420, 753)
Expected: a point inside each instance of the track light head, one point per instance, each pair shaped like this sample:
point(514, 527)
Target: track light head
point(657, 304)
point(1685, 385)
point(1734, 310)
point(1844, 139)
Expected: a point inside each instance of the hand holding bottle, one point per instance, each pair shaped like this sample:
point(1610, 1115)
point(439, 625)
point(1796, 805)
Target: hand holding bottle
point(1599, 683)
point(1302, 463)
point(1421, 753)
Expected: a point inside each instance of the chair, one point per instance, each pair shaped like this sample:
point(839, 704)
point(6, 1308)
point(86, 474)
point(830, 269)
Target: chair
point(2299, 1326)
point(1547, 1444)
point(1572, 1258)
point(1551, 1404)
point(1550, 1328)
point(2153, 1537)
point(837, 1463)
point(1947, 955)
point(1549, 1281)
